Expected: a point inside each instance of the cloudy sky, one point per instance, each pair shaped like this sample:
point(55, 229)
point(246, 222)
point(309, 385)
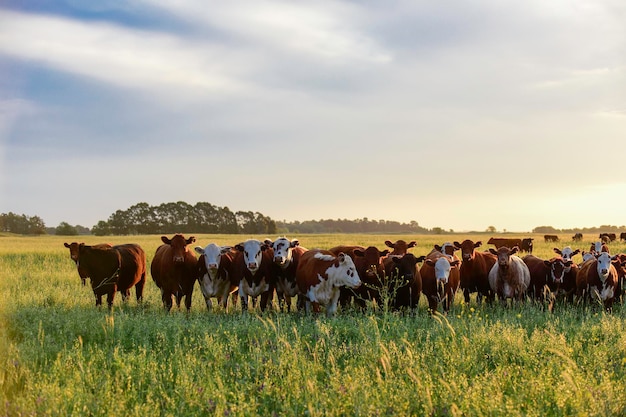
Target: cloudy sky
point(455, 114)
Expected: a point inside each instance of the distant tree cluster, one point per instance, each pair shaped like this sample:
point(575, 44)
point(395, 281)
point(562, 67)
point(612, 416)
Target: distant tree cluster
point(181, 217)
point(607, 228)
point(363, 225)
point(22, 224)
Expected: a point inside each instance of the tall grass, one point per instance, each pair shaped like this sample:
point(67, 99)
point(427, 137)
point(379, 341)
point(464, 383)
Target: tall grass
point(60, 355)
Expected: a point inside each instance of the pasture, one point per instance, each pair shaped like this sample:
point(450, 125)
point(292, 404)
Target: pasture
point(61, 356)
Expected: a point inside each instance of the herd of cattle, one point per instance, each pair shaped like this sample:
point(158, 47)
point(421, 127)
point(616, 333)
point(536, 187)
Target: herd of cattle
point(351, 274)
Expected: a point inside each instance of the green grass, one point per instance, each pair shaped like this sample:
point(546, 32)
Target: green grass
point(62, 356)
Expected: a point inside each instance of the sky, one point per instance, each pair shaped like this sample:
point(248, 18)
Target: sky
point(454, 114)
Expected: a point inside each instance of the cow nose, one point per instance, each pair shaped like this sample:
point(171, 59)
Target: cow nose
point(252, 265)
point(179, 259)
point(213, 266)
point(604, 271)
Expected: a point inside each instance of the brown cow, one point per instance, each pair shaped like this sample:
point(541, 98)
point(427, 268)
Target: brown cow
point(440, 280)
point(499, 242)
point(174, 270)
point(578, 237)
point(400, 247)
point(556, 274)
point(319, 276)
point(474, 271)
point(598, 279)
point(404, 282)
point(287, 254)
point(550, 238)
point(112, 269)
point(73, 247)
point(509, 276)
point(252, 267)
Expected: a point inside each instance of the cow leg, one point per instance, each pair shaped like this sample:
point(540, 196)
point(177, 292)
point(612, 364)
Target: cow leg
point(139, 289)
point(281, 300)
point(167, 300)
point(209, 304)
point(110, 298)
point(98, 300)
point(466, 295)
point(244, 303)
point(265, 299)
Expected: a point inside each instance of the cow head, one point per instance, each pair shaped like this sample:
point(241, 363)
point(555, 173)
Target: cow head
point(283, 250)
point(587, 256)
point(212, 255)
point(567, 254)
point(443, 265)
point(527, 244)
point(372, 261)
point(467, 249)
point(252, 250)
point(558, 267)
point(400, 247)
point(406, 266)
point(179, 246)
point(447, 248)
point(345, 273)
point(73, 247)
point(504, 256)
point(603, 265)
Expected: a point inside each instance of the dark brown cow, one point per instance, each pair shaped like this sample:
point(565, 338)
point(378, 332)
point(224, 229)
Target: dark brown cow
point(369, 266)
point(252, 266)
point(287, 254)
point(578, 237)
point(404, 282)
point(500, 242)
point(400, 247)
point(619, 262)
point(550, 238)
point(174, 270)
point(598, 280)
point(319, 276)
point(556, 274)
point(440, 280)
point(527, 245)
point(622, 236)
point(474, 271)
point(73, 247)
point(608, 237)
point(112, 269)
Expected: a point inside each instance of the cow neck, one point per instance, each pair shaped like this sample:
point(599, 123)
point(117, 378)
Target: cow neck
point(109, 280)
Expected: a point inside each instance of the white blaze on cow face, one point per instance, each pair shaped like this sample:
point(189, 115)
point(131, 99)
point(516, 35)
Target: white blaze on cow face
point(283, 251)
point(604, 265)
point(252, 254)
point(442, 270)
point(212, 256)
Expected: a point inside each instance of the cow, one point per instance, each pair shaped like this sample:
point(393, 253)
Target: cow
point(578, 237)
point(499, 242)
point(73, 247)
point(567, 253)
point(557, 274)
point(598, 247)
point(400, 247)
point(174, 270)
point(527, 245)
point(440, 280)
point(607, 237)
point(287, 254)
point(321, 274)
point(550, 238)
point(215, 274)
point(447, 248)
point(509, 277)
point(619, 262)
point(404, 282)
point(587, 256)
point(112, 269)
point(598, 278)
point(622, 237)
point(369, 265)
point(252, 267)
point(474, 271)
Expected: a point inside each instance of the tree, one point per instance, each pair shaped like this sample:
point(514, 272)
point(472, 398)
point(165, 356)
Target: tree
point(491, 229)
point(65, 229)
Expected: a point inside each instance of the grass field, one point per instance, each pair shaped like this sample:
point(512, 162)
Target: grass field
point(62, 356)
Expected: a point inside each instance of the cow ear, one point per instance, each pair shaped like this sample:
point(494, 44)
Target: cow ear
point(576, 252)
point(385, 252)
point(430, 262)
point(166, 240)
point(225, 249)
point(67, 245)
point(239, 247)
point(493, 251)
point(478, 244)
point(359, 252)
point(514, 250)
point(341, 257)
point(268, 242)
point(412, 244)
point(438, 247)
point(388, 243)
point(295, 243)
point(199, 250)
point(457, 244)
point(557, 250)
point(421, 258)
point(191, 240)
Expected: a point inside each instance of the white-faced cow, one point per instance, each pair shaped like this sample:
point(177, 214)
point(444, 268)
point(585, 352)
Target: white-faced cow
point(215, 274)
point(440, 280)
point(509, 277)
point(567, 253)
point(598, 280)
point(321, 274)
point(474, 271)
point(252, 267)
point(287, 254)
point(174, 270)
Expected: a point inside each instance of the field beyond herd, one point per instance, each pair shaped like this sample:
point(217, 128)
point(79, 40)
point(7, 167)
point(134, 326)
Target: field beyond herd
point(62, 356)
